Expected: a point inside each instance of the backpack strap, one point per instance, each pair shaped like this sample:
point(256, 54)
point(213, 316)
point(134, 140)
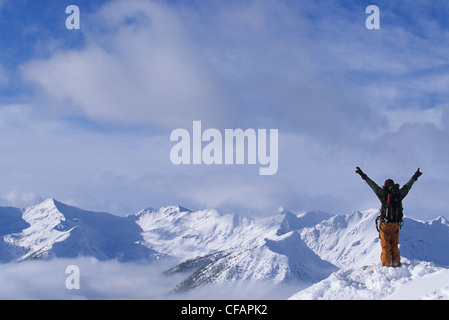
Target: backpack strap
point(388, 207)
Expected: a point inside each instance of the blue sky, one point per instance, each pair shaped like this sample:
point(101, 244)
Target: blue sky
point(86, 115)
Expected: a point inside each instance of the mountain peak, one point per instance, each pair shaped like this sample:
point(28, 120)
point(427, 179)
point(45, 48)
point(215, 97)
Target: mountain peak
point(283, 210)
point(218, 247)
point(312, 218)
point(442, 220)
point(178, 208)
point(47, 203)
point(47, 211)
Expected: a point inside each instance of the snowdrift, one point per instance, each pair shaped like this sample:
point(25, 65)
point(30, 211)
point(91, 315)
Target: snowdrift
point(413, 280)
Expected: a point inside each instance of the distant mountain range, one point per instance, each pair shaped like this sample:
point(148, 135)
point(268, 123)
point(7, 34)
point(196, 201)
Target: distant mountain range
point(212, 247)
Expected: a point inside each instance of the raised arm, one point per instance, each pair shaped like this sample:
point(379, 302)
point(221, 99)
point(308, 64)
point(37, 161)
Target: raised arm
point(377, 190)
point(406, 187)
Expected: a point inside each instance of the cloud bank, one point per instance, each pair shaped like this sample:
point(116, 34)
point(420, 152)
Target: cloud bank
point(96, 124)
point(112, 280)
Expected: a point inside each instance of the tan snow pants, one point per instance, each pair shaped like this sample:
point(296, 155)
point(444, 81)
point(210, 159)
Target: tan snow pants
point(389, 241)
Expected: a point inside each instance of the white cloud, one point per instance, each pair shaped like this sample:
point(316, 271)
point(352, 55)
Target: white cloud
point(237, 190)
point(18, 199)
point(40, 280)
point(112, 280)
point(399, 117)
point(340, 95)
point(140, 68)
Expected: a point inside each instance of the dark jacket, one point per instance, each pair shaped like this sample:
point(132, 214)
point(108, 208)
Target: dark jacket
point(381, 193)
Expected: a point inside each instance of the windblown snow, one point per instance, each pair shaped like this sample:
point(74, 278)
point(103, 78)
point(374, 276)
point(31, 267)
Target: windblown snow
point(321, 255)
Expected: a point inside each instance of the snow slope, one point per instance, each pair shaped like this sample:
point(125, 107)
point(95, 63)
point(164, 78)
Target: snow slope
point(412, 281)
point(426, 240)
point(53, 229)
point(352, 239)
point(242, 248)
point(280, 260)
point(346, 240)
point(179, 232)
point(228, 247)
point(315, 250)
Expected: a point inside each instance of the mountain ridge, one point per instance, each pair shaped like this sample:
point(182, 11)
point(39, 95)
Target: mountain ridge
point(214, 247)
point(59, 230)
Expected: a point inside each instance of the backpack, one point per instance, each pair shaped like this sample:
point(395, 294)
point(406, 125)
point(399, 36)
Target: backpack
point(391, 210)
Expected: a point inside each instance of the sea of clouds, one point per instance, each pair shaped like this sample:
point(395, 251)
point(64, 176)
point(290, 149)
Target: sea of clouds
point(113, 280)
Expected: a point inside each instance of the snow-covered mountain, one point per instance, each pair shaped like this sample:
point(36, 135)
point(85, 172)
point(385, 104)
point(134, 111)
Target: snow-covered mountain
point(351, 243)
point(52, 229)
point(313, 248)
point(352, 239)
point(234, 247)
point(228, 247)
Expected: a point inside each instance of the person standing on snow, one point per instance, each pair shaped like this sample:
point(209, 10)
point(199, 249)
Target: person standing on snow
point(390, 216)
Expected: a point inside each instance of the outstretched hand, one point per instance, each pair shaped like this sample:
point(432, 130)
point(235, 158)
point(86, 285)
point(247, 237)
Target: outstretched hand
point(417, 174)
point(361, 173)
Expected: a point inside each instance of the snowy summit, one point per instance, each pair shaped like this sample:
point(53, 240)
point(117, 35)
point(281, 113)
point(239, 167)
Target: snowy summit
point(325, 256)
